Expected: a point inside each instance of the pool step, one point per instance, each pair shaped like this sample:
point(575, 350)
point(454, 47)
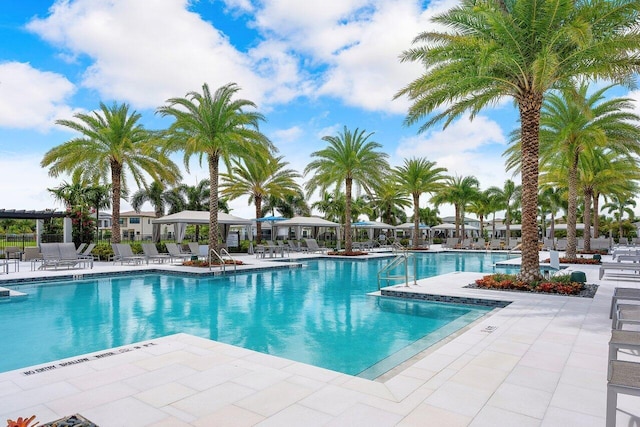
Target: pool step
point(7, 294)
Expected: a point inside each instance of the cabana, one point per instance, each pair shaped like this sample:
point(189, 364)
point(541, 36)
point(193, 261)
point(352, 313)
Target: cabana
point(408, 226)
point(371, 226)
point(300, 222)
point(181, 219)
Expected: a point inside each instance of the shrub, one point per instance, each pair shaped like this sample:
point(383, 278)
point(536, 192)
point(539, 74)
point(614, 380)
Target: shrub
point(557, 285)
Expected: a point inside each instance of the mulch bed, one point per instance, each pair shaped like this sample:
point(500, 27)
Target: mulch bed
point(588, 291)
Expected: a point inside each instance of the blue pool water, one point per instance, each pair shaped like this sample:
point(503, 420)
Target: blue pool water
point(319, 314)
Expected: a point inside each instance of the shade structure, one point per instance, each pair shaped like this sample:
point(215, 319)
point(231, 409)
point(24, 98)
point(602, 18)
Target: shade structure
point(272, 220)
point(372, 225)
point(449, 228)
point(298, 222)
point(409, 226)
point(182, 218)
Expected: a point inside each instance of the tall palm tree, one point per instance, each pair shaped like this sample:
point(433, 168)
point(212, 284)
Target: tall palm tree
point(507, 198)
point(216, 127)
point(458, 191)
point(492, 49)
point(154, 194)
point(111, 142)
point(573, 124)
point(259, 178)
point(417, 176)
point(350, 158)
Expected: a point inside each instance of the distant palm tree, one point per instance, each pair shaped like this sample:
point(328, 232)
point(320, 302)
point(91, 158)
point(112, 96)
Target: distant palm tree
point(350, 158)
point(155, 194)
point(492, 49)
point(99, 197)
point(429, 216)
point(483, 205)
point(111, 142)
point(550, 200)
point(259, 178)
point(288, 206)
point(390, 202)
point(620, 206)
point(332, 205)
point(215, 127)
point(458, 191)
point(417, 176)
point(507, 198)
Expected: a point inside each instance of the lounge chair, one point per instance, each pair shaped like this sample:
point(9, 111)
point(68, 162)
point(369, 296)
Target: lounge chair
point(175, 252)
point(151, 253)
point(80, 248)
point(561, 244)
point(59, 255)
point(312, 246)
point(293, 246)
point(496, 244)
point(622, 266)
point(283, 247)
point(194, 248)
point(126, 254)
point(450, 243)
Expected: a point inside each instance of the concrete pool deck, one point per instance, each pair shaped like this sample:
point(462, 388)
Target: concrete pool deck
point(541, 361)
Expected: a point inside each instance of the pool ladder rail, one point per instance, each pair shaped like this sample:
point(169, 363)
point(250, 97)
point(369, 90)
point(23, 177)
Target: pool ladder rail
point(403, 256)
point(214, 255)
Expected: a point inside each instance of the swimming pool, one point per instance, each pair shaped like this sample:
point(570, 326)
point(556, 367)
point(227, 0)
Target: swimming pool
point(319, 314)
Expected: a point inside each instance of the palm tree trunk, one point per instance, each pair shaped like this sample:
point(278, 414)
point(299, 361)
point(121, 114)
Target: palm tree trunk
point(572, 214)
point(596, 219)
point(258, 202)
point(507, 220)
point(348, 240)
point(457, 213)
point(213, 201)
point(587, 220)
point(529, 105)
point(116, 178)
point(416, 218)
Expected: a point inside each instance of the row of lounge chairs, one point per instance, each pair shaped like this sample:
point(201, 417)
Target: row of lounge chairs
point(623, 376)
point(65, 255)
point(280, 247)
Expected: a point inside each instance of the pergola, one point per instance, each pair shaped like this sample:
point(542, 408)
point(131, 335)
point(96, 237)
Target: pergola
point(39, 217)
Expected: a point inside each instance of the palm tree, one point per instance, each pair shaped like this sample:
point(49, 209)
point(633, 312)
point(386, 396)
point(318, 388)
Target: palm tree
point(155, 194)
point(619, 206)
point(288, 206)
point(351, 159)
point(483, 205)
point(259, 178)
point(417, 176)
point(519, 48)
point(572, 125)
point(389, 202)
point(458, 191)
point(429, 216)
point(111, 142)
point(550, 202)
point(507, 198)
point(215, 127)
point(332, 206)
point(99, 197)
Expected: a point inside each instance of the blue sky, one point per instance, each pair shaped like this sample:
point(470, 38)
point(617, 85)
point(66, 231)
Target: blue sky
point(311, 67)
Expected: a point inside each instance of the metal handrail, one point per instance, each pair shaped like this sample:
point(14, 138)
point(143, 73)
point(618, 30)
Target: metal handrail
point(399, 259)
point(395, 247)
point(223, 264)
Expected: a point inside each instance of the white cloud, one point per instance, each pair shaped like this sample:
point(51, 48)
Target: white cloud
point(287, 136)
point(32, 99)
point(30, 191)
point(145, 54)
point(464, 148)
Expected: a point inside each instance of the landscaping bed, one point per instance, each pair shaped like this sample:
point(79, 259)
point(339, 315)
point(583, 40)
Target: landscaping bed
point(559, 285)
